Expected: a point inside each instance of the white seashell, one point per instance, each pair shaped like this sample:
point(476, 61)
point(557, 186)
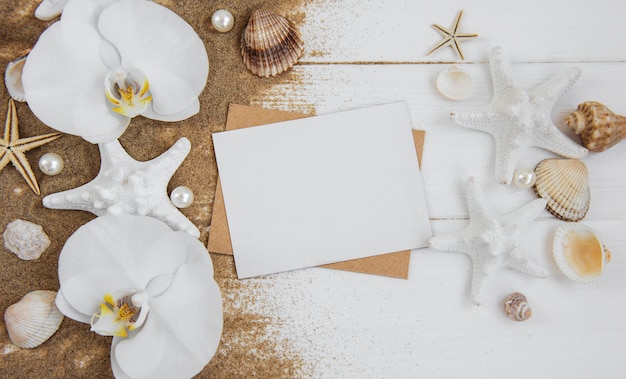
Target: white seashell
point(564, 183)
point(516, 307)
point(49, 9)
point(579, 252)
point(13, 78)
point(34, 319)
point(454, 83)
point(25, 239)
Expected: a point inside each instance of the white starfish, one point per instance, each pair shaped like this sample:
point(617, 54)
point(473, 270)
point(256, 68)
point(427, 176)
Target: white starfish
point(127, 186)
point(492, 242)
point(518, 119)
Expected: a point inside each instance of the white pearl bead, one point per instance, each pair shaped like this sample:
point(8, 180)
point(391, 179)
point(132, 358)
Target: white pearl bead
point(51, 163)
point(524, 177)
point(182, 197)
point(222, 20)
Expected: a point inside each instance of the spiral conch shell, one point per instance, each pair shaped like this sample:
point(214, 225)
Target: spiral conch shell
point(598, 126)
point(564, 183)
point(516, 307)
point(34, 319)
point(270, 44)
point(579, 252)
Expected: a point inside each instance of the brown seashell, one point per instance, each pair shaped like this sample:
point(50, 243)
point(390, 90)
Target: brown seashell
point(516, 307)
point(598, 126)
point(270, 44)
point(34, 319)
point(564, 183)
point(579, 252)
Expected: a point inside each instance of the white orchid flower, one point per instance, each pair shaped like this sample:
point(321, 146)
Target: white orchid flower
point(151, 288)
point(107, 61)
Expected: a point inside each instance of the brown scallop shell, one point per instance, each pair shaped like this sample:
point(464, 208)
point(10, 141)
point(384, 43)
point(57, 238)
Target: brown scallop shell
point(598, 126)
point(270, 44)
point(564, 183)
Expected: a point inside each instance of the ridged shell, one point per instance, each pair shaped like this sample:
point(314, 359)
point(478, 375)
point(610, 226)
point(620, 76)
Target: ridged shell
point(25, 239)
point(34, 319)
point(516, 307)
point(564, 183)
point(13, 78)
point(270, 44)
point(598, 126)
point(579, 252)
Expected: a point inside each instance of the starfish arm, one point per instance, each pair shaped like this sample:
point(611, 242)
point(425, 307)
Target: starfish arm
point(443, 31)
point(549, 137)
point(524, 214)
point(508, 153)
point(23, 167)
point(480, 276)
point(501, 73)
point(546, 94)
point(457, 47)
point(175, 219)
point(11, 131)
point(26, 144)
point(464, 36)
point(476, 203)
point(168, 162)
point(447, 41)
point(484, 119)
point(74, 199)
point(448, 242)
point(518, 262)
point(6, 157)
point(113, 154)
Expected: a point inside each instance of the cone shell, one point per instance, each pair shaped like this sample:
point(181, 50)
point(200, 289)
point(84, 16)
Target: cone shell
point(579, 252)
point(34, 319)
point(598, 126)
point(270, 44)
point(564, 183)
point(516, 307)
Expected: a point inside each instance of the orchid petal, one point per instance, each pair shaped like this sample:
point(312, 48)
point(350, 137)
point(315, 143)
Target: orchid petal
point(182, 115)
point(68, 310)
point(86, 290)
point(163, 46)
point(182, 332)
point(137, 247)
point(85, 11)
point(117, 371)
point(63, 78)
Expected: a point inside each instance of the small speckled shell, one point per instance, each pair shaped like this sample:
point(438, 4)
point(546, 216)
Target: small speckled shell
point(25, 239)
point(270, 44)
point(34, 319)
point(564, 183)
point(516, 307)
point(579, 252)
point(598, 126)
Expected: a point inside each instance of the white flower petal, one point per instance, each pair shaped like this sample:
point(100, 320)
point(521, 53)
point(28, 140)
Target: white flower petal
point(182, 115)
point(66, 308)
point(117, 371)
point(85, 11)
point(140, 247)
point(157, 41)
point(182, 331)
point(63, 78)
point(85, 291)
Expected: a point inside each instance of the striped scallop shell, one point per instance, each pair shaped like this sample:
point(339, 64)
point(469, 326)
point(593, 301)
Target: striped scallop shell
point(564, 183)
point(579, 252)
point(34, 319)
point(270, 44)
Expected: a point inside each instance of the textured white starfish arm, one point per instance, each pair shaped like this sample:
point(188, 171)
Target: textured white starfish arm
point(475, 203)
point(508, 153)
point(524, 214)
point(446, 242)
point(168, 162)
point(176, 220)
point(78, 198)
point(501, 73)
point(548, 92)
point(485, 119)
point(558, 143)
point(523, 264)
point(479, 283)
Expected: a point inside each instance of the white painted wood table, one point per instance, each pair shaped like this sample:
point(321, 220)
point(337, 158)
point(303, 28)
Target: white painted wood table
point(347, 325)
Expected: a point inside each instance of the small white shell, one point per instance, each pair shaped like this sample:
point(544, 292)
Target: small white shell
point(49, 9)
point(34, 319)
point(454, 83)
point(25, 239)
point(579, 252)
point(13, 78)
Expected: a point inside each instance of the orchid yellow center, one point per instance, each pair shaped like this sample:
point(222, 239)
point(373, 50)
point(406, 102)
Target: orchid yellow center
point(117, 316)
point(128, 91)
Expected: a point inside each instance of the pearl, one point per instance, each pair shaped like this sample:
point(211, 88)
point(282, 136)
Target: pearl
point(524, 177)
point(182, 197)
point(51, 164)
point(222, 20)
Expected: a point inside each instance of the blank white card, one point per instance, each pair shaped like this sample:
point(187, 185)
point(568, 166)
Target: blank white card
point(322, 189)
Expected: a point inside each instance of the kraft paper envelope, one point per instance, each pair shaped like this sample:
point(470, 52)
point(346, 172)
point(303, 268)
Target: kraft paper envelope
point(392, 264)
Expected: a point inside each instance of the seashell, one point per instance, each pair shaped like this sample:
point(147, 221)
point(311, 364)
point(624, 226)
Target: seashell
point(516, 307)
point(34, 319)
point(49, 9)
point(270, 44)
point(579, 252)
point(598, 126)
point(13, 78)
point(564, 183)
point(454, 83)
point(25, 239)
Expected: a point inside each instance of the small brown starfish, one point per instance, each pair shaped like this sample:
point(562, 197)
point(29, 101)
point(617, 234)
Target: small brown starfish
point(12, 147)
point(452, 37)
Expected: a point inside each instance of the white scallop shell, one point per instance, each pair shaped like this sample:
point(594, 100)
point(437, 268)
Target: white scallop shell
point(34, 319)
point(579, 252)
point(25, 239)
point(454, 83)
point(564, 183)
point(13, 78)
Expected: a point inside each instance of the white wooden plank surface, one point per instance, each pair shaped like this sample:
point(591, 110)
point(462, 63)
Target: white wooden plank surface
point(346, 325)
